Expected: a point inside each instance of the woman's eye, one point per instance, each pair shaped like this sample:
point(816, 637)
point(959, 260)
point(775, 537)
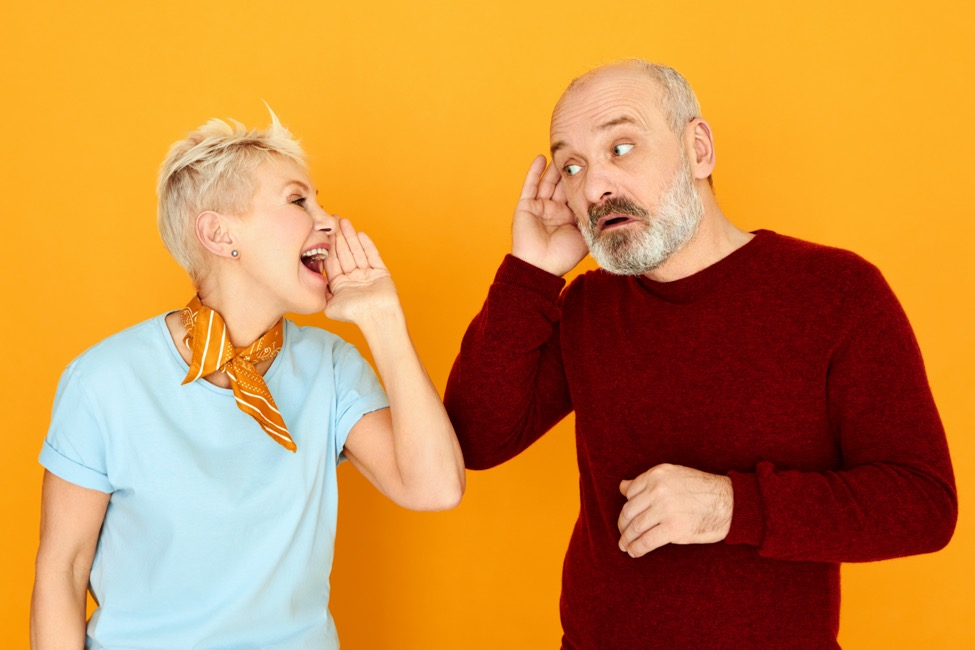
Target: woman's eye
point(622, 149)
point(571, 170)
point(300, 201)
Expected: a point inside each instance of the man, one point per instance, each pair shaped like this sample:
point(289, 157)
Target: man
point(751, 409)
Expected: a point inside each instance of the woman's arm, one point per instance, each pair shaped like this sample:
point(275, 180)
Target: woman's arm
point(409, 451)
point(71, 518)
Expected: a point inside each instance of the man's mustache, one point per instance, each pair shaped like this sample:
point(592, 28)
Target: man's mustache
point(615, 205)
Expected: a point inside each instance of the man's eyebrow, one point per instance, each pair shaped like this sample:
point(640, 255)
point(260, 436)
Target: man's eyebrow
point(623, 119)
point(605, 126)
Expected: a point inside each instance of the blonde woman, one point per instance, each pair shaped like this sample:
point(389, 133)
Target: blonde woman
point(191, 459)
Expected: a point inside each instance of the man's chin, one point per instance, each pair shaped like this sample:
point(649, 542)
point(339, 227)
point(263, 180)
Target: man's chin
point(623, 264)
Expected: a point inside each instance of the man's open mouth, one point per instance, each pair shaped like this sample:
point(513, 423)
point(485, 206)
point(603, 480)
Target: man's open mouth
point(609, 222)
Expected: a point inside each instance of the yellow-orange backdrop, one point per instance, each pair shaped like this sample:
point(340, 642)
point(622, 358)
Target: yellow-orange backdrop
point(841, 122)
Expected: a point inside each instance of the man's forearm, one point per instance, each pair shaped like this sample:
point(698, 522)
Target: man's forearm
point(872, 512)
point(507, 386)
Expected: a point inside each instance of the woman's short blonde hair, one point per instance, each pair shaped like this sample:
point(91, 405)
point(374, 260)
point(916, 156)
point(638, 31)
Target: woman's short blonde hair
point(212, 169)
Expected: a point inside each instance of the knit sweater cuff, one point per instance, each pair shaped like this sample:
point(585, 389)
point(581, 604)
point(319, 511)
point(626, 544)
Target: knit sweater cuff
point(747, 526)
point(520, 273)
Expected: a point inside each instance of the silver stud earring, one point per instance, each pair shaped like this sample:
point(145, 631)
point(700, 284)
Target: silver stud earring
point(234, 253)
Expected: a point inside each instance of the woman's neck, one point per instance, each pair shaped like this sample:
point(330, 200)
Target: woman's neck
point(246, 321)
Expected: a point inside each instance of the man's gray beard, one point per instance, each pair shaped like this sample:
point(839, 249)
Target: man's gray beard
point(666, 230)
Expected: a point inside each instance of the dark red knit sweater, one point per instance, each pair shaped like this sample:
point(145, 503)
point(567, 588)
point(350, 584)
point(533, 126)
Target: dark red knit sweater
point(788, 366)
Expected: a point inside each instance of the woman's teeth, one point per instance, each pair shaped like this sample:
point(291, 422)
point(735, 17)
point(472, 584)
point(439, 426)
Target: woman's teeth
point(314, 259)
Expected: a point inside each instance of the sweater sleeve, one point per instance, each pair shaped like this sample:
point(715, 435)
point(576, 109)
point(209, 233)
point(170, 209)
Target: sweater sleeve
point(507, 386)
point(894, 492)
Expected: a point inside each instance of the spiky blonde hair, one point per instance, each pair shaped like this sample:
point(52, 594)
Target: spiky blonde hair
point(212, 169)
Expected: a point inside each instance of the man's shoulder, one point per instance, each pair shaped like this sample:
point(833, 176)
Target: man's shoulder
point(595, 282)
point(791, 258)
point(787, 245)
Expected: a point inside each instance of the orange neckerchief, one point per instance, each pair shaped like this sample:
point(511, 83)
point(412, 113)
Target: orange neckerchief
point(206, 336)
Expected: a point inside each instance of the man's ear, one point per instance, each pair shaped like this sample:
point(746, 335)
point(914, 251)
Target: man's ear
point(701, 146)
point(214, 234)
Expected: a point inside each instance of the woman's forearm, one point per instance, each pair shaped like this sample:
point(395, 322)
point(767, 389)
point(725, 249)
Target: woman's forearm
point(71, 518)
point(428, 458)
point(57, 612)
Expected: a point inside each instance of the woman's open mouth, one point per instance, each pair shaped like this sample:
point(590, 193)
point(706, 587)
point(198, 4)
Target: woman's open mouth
point(314, 259)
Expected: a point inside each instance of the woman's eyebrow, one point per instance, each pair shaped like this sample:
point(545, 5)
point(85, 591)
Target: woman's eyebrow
point(301, 185)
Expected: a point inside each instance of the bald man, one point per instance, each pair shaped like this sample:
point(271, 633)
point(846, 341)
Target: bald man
point(751, 410)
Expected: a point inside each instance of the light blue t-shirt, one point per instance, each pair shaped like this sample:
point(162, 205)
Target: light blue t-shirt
point(215, 535)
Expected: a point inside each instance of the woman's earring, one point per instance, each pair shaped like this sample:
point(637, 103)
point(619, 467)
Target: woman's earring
point(234, 253)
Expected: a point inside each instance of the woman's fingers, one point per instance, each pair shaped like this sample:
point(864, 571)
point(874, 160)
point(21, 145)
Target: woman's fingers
point(354, 245)
point(371, 252)
point(342, 253)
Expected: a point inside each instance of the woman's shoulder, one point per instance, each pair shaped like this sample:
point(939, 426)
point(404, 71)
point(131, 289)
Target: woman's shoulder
point(310, 342)
point(311, 336)
point(132, 346)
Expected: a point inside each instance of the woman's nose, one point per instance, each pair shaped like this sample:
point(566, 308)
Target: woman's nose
point(324, 221)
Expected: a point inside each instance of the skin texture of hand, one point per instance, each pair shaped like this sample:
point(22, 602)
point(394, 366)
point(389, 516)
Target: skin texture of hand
point(408, 451)
point(671, 504)
point(543, 231)
point(358, 281)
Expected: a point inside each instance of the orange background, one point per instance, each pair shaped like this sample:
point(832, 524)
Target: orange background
point(845, 123)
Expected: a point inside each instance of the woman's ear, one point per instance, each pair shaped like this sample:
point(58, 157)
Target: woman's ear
point(701, 144)
point(213, 232)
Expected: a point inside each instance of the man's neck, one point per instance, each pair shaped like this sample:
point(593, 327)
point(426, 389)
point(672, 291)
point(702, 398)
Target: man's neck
point(715, 239)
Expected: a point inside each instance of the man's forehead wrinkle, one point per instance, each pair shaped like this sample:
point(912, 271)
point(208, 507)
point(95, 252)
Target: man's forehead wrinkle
point(602, 110)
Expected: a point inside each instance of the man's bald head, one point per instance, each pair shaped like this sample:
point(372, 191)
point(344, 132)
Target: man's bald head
point(677, 98)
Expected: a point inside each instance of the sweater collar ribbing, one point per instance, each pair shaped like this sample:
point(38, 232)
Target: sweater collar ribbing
point(708, 279)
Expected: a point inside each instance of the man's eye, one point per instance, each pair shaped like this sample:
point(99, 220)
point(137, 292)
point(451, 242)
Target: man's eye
point(571, 170)
point(622, 149)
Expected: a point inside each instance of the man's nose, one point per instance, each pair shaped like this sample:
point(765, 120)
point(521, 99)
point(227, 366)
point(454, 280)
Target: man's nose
point(599, 184)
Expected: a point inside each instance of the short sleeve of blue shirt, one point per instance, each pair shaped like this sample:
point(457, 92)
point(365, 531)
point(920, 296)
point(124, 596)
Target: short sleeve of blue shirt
point(74, 448)
point(359, 393)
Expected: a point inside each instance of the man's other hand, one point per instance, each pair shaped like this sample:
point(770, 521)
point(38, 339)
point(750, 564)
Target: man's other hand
point(670, 504)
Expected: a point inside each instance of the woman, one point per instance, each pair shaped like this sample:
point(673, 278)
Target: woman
point(191, 459)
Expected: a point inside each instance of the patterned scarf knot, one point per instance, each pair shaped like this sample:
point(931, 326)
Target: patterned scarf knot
point(212, 351)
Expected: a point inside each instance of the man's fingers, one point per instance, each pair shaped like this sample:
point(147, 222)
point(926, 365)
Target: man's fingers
point(637, 525)
point(633, 508)
point(530, 189)
point(548, 183)
point(559, 195)
point(648, 541)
